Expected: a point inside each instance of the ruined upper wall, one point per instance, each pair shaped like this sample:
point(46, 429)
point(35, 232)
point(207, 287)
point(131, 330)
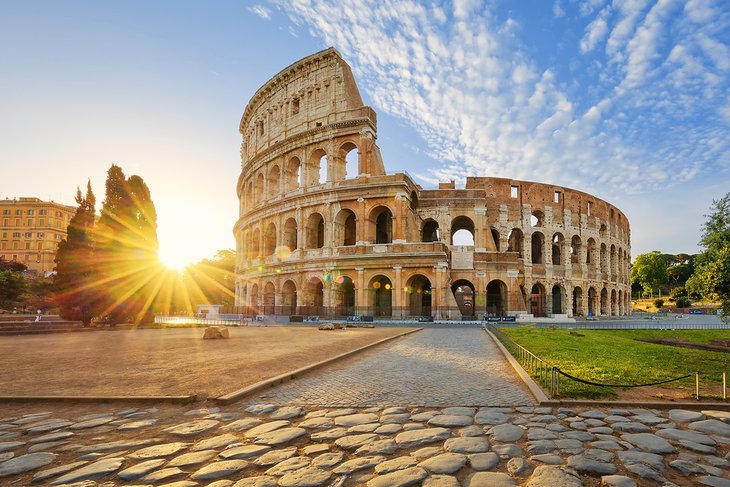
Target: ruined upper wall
point(316, 91)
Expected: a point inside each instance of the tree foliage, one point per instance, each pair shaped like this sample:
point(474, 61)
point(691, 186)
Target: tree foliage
point(649, 270)
point(76, 279)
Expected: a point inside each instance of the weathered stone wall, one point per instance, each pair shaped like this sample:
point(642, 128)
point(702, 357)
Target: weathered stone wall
point(315, 238)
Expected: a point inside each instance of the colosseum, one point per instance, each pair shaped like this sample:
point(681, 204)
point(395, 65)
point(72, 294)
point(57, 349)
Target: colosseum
point(324, 230)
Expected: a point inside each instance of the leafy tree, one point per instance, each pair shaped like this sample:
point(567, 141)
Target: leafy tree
point(649, 270)
point(127, 248)
point(77, 280)
point(11, 265)
point(12, 287)
point(712, 277)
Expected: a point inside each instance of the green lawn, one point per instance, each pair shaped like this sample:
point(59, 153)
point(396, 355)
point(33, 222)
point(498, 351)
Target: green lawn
point(612, 356)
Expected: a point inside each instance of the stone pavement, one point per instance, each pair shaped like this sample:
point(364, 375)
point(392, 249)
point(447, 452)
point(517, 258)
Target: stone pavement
point(261, 445)
point(434, 367)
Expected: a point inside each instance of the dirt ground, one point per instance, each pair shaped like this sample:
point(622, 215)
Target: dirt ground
point(166, 361)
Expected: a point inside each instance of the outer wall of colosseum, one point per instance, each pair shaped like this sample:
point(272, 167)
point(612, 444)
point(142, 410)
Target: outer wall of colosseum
point(323, 230)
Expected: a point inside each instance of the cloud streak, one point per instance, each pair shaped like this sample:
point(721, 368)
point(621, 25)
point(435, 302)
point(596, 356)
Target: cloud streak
point(641, 114)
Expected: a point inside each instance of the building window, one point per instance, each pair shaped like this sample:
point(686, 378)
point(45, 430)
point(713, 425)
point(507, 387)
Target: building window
point(295, 106)
point(556, 197)
point(513, 191)
point(590, 206)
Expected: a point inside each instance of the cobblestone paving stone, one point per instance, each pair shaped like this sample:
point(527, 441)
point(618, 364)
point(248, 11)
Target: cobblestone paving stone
point(531, 447)
point(434, 367)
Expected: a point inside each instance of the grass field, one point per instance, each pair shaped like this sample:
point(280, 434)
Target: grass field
point(608, 356)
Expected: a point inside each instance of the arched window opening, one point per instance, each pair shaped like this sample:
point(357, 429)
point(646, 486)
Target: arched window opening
point(288, 305)
point(345, 228)
point(537, 301)
point(430, 231)
point(463, 291)
point(274, 181)
point(537, 244)
point(515, 241)
point(351, 156)
point(462, 231)
point(382, 218)
point(536, 219)
point(315, 231)
point(343, 296)
point(270, 239)
point(575, 247)
point(557, 293)
point(578, 301)
point(557, 247)
point(381, 290)
point(293, 175)
point(418, 290)
point(496, 298)
point(289, 238)
point(495, 237)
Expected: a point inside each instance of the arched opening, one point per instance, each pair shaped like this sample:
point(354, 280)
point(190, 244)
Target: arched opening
point(578, 301)
point(496, 298)
point(537, 218)
point(259, 190)
point(591, 252)
point(274, 181)
point(495, 238)
point(293, 174)
point(614, 303)
point(345, 228)
point(255, 244)
point(557, 293)
point(343, 296)
point(414, 200)
point(350, 155)
point(537, 301)
point(463, 291)
point(289, 238)
point(575, 247)
point(462, 231)
point(253, 300)
point(382, 296)
point(270, 239)
point(430, 231)
point(537, 243)
point(557, 249)
point(592, 301)
point(313, 302)
point(314, 231)
point(269, 305)
point(515, 241)
point(288, 305)
point(604, 302)
point(418, 289)
point(382, 220)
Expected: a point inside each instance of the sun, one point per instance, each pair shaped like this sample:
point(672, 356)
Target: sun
point(175, 260)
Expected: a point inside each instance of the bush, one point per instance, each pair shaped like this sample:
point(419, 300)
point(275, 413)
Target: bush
point(658, 303)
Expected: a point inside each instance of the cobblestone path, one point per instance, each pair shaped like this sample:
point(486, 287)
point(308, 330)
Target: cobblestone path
point(434, 367)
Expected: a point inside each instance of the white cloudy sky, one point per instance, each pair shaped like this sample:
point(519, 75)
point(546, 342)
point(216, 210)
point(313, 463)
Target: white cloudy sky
point(626, 99)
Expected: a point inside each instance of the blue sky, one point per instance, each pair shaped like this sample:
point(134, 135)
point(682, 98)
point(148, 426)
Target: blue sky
point(629, 100)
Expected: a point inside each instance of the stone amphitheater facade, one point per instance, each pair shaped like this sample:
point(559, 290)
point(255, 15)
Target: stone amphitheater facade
point(324, 230)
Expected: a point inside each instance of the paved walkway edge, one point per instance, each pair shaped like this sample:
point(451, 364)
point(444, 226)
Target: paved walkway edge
point(535, 389)
point(145, 399)
point(280, 379)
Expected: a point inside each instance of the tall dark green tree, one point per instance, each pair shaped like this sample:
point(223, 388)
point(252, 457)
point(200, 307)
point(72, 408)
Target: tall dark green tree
point(127, 248)
point(712, 277)
point(77, 279)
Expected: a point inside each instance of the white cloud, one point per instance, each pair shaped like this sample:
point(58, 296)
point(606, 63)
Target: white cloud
point(483, 107)
point(261, 11)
